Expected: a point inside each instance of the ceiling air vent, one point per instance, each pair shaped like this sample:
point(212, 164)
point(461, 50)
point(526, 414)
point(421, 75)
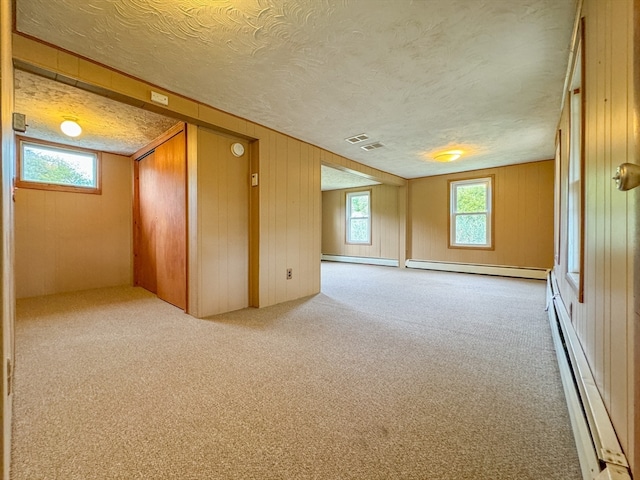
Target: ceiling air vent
point(357, 138)
point(372, 146)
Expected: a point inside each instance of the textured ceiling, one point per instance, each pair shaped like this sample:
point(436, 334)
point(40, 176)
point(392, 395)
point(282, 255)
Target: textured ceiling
point(334, 179)
point(485, 76)
point(107, 125)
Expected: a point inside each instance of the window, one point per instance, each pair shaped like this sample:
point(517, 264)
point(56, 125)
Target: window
point(47, 166)
point(359, 217)
point(575, 183)
point(470, 213)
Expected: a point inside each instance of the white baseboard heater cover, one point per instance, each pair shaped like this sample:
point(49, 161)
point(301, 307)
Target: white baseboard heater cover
point(387, 262)
point(601, 457)
point(500, 270)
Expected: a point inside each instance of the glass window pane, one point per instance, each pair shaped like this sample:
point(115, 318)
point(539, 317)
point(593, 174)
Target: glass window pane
point(60, 167)
point(359, 230)
point(471, 229)
point(471, 198)
point(360, 206)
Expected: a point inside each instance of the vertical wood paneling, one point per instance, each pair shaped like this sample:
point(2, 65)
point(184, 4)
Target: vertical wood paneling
point(385, 223)
point(281, 217)
point(223, 224)
point(57, 231)
point(619, 81)
point(273, 257)
point(254, 229)
point(316, 215)
point(523, 224)
point(403, 192)
point(289, 195)
point(294, 221)
point(604, 322)
point(268, 273)
point(193, 235)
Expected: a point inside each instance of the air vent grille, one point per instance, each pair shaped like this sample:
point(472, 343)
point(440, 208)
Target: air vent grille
point(357, 138)
point(372, 146)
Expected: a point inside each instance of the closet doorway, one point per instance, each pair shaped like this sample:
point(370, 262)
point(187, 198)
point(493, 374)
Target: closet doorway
point(160, 221)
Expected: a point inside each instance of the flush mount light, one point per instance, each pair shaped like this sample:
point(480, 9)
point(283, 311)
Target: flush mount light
point(70, 127)
point(448, 156)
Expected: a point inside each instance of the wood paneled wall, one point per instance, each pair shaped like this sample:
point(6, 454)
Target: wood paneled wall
point(73, 241)
point(385, 223)
point(220, 240)
point(289, 217)
point(604, 322)
point(285, 208)
point(523, 210)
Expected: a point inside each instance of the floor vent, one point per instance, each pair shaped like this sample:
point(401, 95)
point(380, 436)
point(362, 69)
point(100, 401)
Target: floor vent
point(357, 138)
point(372, 146)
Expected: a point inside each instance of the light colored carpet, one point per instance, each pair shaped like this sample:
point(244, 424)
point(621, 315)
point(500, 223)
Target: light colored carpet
point(388, 374)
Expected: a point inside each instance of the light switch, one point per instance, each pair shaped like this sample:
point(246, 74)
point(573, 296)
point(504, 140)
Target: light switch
point(254, 179)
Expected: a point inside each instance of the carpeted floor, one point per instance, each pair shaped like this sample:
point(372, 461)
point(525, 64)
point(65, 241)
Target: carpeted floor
point(388, 374)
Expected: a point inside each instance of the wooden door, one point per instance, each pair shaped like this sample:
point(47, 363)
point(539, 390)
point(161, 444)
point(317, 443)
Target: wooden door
point(145, 228)
point(171, 224)
point(160, 221)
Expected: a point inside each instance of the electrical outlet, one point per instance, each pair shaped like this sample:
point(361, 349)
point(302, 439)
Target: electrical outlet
point(289, 273)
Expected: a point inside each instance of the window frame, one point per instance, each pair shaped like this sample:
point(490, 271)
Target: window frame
point(348, 217)
point(575, 217)
point(488, 180)
point(35, 185)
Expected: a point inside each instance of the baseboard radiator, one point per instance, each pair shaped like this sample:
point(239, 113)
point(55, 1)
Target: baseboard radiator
point(387, 262)
point(501, 270)
point(601, 457)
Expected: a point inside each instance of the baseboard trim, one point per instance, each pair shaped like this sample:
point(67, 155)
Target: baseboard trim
point(500, 270)
point(387, 262)
point(600, 454)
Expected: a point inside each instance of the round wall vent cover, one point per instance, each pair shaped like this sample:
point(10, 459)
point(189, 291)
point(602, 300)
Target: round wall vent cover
point(237, 149)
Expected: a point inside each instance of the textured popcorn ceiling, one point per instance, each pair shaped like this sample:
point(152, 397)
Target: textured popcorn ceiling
point(420, 76)
point(107, 125)
point(334, 179)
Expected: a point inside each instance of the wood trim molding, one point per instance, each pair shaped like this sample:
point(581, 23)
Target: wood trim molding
point(97, 190)
point(172, 132)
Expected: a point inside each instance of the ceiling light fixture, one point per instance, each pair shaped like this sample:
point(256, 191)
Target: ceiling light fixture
point(448, 156)
point(70, 127)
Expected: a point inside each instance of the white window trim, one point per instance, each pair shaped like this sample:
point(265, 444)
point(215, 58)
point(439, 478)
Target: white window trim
point(349, 218)
point(453, 186)
point(575, 175)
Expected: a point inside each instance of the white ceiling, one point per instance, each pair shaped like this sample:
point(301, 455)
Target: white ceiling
point(485, 76)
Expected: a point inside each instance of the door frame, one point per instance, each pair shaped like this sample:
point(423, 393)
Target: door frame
point(8, 298)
